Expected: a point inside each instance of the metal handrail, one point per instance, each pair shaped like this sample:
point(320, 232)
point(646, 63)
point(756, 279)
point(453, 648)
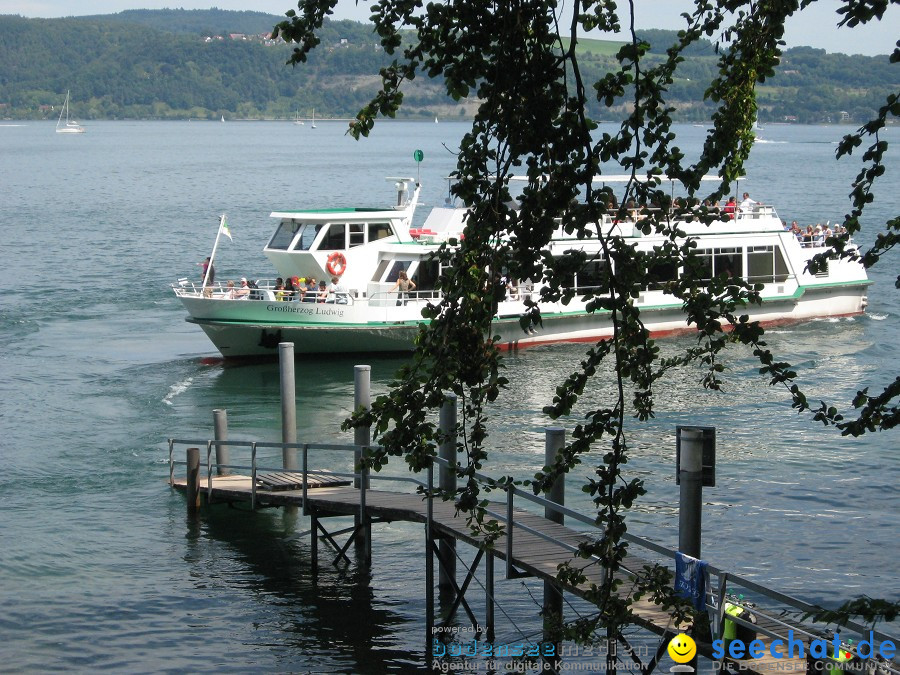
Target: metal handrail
point(717, 598)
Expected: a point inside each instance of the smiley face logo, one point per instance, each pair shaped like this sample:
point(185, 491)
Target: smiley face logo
point(682, 648)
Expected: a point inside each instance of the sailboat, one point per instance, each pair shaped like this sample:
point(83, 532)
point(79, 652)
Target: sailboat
point(314, 118)
point(71, 126)
point(298, 120)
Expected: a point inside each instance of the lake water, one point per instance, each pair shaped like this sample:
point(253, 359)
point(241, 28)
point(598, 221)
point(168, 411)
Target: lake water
point(102, 570)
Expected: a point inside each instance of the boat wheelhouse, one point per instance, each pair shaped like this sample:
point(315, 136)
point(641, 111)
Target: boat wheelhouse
point(367, 248)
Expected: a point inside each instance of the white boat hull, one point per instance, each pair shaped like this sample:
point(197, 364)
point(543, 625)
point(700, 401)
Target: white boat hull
point(254, 328)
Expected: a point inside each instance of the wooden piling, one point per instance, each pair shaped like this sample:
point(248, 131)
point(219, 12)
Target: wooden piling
point(447, 482)
point(223, 454)
point(362, 437)
point(691, 496)
point(554, 441)
point(690, 511)
point(429, 572)
point(489, 597)
point(288, 404)
point(193, 480)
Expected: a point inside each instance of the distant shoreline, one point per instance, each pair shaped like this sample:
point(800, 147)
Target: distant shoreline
point(17, 121)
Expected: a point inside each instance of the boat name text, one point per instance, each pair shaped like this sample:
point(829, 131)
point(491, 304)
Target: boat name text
point(308, 310)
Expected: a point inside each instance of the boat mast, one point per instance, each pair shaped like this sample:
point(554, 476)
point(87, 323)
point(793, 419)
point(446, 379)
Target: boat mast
point(65, 109)
point(212, 256)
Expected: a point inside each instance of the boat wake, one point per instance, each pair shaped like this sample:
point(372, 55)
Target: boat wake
point(834, 319)
point(177, 389)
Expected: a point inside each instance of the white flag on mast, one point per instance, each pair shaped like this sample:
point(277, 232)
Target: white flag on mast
point(224, 229)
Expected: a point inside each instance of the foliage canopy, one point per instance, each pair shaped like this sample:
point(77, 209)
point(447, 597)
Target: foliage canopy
point(525, 68)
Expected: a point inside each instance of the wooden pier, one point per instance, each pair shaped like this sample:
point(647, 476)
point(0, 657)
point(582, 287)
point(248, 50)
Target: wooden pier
point(531, 544)
point(536, 547)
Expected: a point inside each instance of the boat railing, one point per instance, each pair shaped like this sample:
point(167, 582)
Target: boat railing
point(628, 218)
point(403, 298)
point(265, 291)
point(756, 212)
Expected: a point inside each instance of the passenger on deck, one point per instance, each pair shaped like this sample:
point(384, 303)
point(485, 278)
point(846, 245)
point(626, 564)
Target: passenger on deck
point(526, 288)
point(826, 232)
point(312, 290)
point(633, 209)
point(748, 205)
point(322, 292)
point(403, 286)
point(300, 289)
point(207, 283)
point(242, 293)
point(808, 236)
point(279, 289)
point(288, 293)
point(730, 208)
point(513, 287)
point(230, 291)
point(336, 292)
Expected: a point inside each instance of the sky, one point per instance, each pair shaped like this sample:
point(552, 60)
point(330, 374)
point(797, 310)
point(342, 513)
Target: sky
point(815, 27)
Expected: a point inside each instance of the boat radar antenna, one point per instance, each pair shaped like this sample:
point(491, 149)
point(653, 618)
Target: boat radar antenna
point(402, 186)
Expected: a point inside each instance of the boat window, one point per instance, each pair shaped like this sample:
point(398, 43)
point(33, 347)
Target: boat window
point(379, 271)
point(592, 275)
point(700, 265)
point(728, 261)
point(660, 272)
point(568, 278)
point(284, 235)
point(357, 234)
point(709, 263)
point(427, 274)
point(765, 264)
point(394, 273)
point(308, 236)
point(379, 231)
point(781, 268)
point(335, 239)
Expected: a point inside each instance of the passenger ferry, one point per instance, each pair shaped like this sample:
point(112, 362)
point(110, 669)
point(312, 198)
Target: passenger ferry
point(367, 248)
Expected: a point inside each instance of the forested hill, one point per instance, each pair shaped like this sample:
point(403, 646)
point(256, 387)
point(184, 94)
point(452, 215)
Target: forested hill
point(199, 22)
point(177, 64)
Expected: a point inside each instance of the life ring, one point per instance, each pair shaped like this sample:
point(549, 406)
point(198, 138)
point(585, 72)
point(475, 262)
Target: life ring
point(337, 264)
